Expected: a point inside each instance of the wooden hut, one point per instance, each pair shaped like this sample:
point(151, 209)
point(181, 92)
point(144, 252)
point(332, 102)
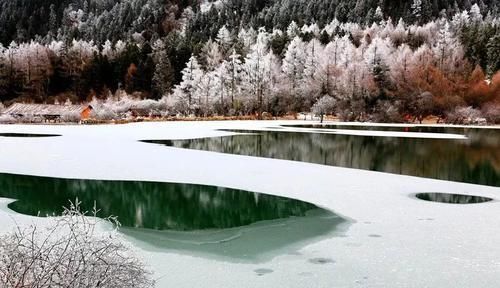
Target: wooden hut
point(47, 112)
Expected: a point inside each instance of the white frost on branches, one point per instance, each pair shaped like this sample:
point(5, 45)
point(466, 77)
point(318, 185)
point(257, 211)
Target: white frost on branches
point(70, 252)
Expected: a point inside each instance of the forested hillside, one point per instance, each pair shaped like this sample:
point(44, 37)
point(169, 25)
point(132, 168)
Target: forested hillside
point(101, 20)
point(363, 59)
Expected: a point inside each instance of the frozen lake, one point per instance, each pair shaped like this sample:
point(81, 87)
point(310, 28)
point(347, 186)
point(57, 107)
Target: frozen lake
point(267, 221)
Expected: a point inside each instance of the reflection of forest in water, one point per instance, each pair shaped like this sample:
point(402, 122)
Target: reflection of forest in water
point(452, 198)
point(475, 160)
point(421, 129)
point(152, 205)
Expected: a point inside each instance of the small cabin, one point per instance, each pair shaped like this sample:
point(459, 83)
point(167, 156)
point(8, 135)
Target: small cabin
point(48, 112)
point(85, 114)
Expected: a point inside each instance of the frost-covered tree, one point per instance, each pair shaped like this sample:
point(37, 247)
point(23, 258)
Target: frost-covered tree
point(185, 92)
point(294, 63)
point(234, 75)
point(224, 39)
point(212, 55)
point(400, 65)
point(312, 86)
point(379, 15)
point(207, 92)
point(325, 105)
point(292, 30)
point(254, 70)
point(107, 50)
point(247, 38)
point(416, 10)
point(447, 48)
point(475, 13)
point(313, 50)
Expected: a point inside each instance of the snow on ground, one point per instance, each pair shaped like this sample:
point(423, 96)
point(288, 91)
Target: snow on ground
point(395, 240)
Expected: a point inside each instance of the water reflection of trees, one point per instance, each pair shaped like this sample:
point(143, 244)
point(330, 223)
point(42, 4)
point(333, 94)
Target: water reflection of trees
point(475, 160)
point(150, 205)
point(452, 198)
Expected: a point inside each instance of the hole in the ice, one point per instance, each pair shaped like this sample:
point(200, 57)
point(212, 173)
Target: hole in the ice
point(199, 219)
point(27, 135)
point(452, 198)
point(154, 205)
point(263, 271)
point(321, 260)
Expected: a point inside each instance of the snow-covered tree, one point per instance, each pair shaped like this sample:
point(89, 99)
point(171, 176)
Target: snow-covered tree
point(212, 54)
point(325, 105)
point(379, 15)
point(447, 48)
point(475, 13)
point(294, 63)
point(207, 92)
point(400, 64)
point(185, 92)
point(254, 69)
point(292, 30)
point(247, 37)
point(234, 74)
point(416, 10)
point(224, 39)
point(107, 50)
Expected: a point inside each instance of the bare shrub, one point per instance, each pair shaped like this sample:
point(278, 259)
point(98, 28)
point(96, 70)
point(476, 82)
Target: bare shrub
point(4, 118)
point(387, 112)
point(492, 113)
point(464, 115)
point(70, 252)
point(70, 116)
point(103, 113)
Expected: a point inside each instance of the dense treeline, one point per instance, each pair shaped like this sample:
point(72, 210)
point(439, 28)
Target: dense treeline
point(248, 56)
point(98, 20)
point(101, 20)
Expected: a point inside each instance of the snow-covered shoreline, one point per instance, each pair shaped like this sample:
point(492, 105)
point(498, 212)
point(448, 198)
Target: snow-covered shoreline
point(396, 240)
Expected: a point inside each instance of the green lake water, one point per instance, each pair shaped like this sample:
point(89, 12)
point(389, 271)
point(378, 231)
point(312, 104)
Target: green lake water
point(199, 219)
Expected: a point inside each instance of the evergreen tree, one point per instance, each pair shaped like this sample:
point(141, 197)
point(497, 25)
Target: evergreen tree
point(493, 54)
point(163, 76)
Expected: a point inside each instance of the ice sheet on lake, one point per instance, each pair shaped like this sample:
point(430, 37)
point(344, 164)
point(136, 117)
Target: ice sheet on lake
point(417, 243)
